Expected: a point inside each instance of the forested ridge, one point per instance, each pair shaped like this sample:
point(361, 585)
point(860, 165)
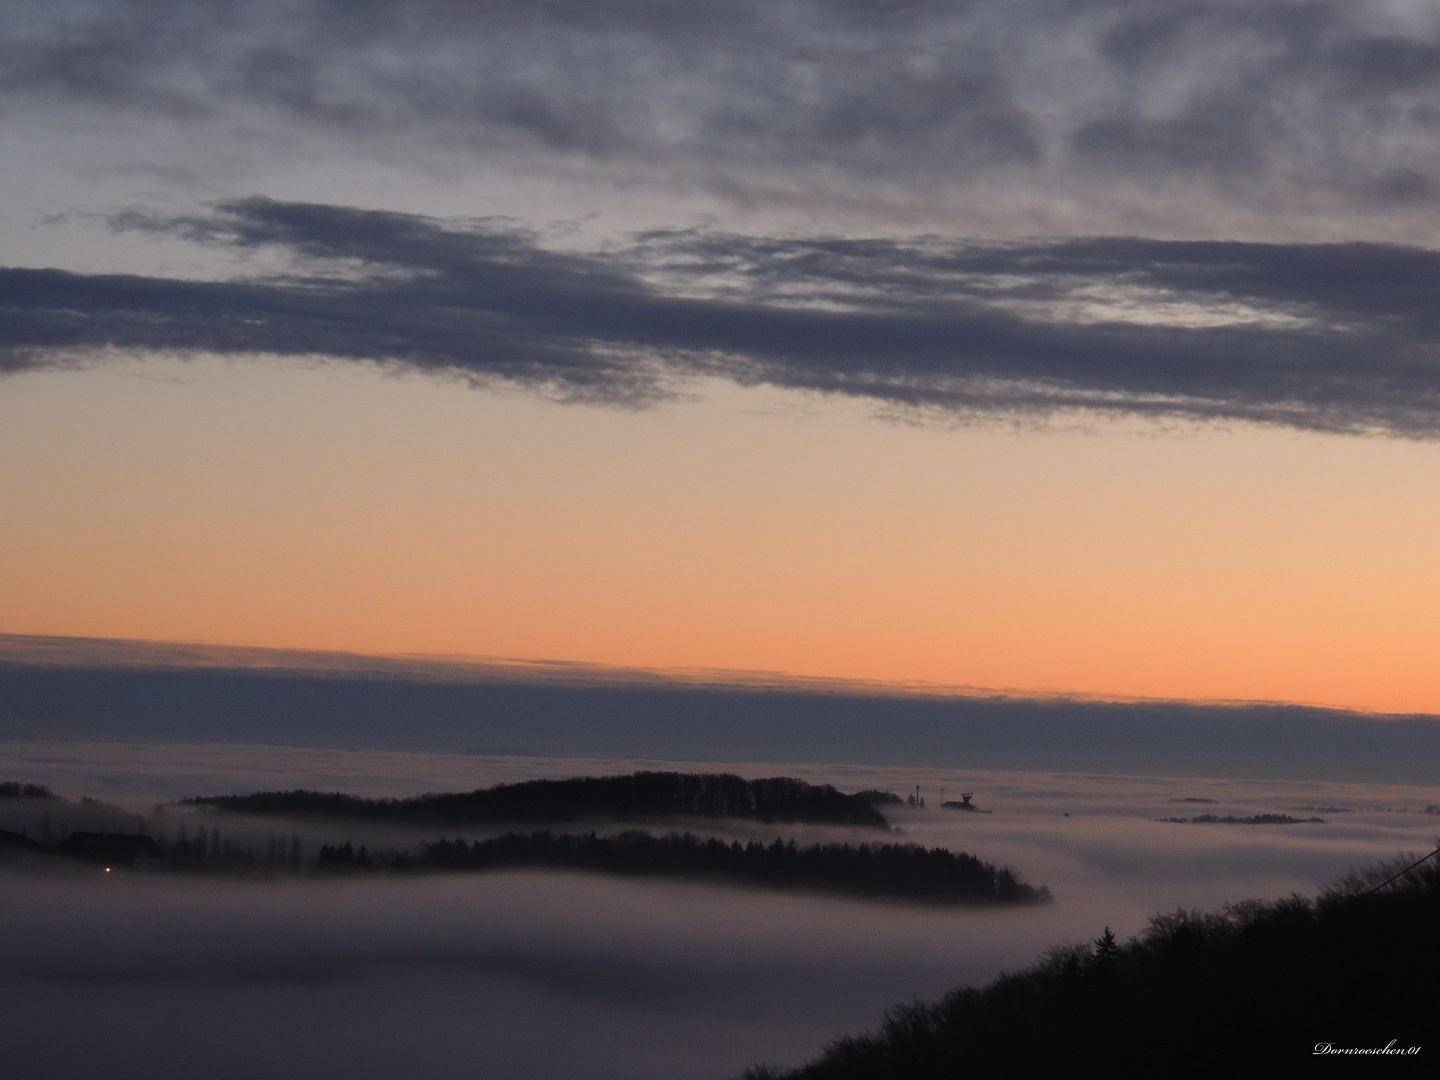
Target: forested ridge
point(907, 871)
point(1262, 988)
point(621, 798)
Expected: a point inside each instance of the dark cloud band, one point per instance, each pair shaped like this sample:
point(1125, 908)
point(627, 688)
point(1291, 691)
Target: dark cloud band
point(1341, 337)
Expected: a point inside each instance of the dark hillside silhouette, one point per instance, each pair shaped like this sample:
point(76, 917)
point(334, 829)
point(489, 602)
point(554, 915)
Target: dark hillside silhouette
point(619, 798)
point(10, 838)
point(876, 797)
point(12, 790)
point(1260, 989)
point(121, 849)
point(1253, 819)
point(908, 871)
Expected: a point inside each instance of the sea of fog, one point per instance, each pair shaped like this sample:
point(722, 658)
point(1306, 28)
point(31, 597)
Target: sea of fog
point(559, 975)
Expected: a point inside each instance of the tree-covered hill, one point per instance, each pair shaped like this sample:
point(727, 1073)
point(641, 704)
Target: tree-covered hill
point(907, 871)
point(619, 798)
point(1263, 989)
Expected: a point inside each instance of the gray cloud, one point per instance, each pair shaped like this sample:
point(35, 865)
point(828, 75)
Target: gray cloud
point(1336, 337)
point(1281, 106)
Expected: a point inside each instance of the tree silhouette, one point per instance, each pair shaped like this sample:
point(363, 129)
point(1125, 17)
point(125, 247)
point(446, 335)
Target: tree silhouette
point(934, 875)
point(1105, 962)
point(1248, 991)
point(636, 796)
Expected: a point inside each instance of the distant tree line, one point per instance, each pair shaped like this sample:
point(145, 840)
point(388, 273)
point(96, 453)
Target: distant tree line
point(633, 797)
point(1260, 989)
point(12, 790)
point(876, 797)
point(204, 850)
point(207, 850)
point(1254, 819)
point(907, 871)
point(333, 857)
point(902, 871)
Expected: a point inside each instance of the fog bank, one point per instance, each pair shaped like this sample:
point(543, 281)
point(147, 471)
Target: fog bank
point(561, 975)
point(492, 712)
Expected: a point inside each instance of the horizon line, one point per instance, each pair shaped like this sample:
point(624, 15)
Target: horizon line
point(104, 653)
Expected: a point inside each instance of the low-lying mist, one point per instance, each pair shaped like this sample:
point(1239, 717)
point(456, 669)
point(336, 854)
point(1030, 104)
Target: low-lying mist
point(555, 974)
point(509, 974)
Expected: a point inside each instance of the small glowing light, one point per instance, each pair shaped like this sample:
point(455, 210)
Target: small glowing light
point(107, 869)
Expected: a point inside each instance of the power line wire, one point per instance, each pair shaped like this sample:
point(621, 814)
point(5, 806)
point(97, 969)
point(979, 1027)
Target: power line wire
point(1402, 873)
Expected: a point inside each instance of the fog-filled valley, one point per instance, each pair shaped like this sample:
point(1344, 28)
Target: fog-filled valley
point(565, 974)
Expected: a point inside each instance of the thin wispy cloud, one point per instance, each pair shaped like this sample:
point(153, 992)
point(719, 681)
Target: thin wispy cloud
point(1330, 337)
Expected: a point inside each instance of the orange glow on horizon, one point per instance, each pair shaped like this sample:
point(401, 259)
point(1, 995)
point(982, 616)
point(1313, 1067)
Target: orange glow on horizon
point(337, 510)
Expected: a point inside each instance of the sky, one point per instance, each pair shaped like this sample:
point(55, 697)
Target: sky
point(1067, 347)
